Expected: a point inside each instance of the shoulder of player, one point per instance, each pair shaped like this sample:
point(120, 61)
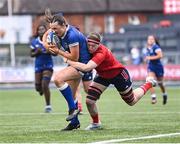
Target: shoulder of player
point(104, 49)
point(34, 39)
point(71, 34)
point(156, 46)
point(34, 42)
point(74, 32)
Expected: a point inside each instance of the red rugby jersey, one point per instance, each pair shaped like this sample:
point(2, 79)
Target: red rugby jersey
point(108, 66)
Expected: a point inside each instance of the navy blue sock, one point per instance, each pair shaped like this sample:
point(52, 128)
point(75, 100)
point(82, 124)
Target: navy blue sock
point(67, 93)
point(75, 119)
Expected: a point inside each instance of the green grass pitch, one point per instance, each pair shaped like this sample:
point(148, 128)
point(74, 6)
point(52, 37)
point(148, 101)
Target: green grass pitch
point(22, 118)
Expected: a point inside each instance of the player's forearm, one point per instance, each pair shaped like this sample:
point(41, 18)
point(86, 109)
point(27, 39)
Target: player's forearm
point(67, 55)
point(155, 57)
point(78, 65)
point(34, 53)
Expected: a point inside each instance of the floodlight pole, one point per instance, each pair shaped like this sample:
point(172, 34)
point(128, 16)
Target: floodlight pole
point(107, 15)
point(12, 49)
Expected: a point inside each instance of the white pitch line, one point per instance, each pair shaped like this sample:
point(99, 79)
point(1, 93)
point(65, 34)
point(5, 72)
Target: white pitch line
point(101, 113)
point(30, 114)
point(138, 138)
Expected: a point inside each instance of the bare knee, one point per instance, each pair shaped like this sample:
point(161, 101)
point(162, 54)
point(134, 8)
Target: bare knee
point(131, 104)
point(128, 97)
point(38, 87)
point(45, 85)
point(90, 102)
point(160, 83)
point(58, 80)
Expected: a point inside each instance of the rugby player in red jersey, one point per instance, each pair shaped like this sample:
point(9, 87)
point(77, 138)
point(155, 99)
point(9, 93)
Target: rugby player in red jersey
point(109, 71)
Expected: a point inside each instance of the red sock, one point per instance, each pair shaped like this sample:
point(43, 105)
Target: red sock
point(95, 118)
point(146, 86)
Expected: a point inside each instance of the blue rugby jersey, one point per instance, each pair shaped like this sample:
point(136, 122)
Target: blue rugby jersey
point(73, 37)
point(152, 52)
point(155, 65)
point(43, 60)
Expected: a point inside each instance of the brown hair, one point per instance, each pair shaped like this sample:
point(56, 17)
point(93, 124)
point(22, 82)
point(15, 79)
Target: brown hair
point(94, 36)
point(156, 39)
point(59, 18)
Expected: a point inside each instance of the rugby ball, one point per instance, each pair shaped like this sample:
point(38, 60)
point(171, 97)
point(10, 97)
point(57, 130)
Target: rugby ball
point(52, 38)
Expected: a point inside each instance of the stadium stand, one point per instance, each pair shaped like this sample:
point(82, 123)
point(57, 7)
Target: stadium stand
point(135, 35)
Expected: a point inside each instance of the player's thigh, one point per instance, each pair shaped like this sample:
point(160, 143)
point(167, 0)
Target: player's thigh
point(86, 85)
point(47, 73)
point(160, 80)
point(97, 85)
point(46, 78)
point(151, 74)
point(86, 80)
point(67, 74)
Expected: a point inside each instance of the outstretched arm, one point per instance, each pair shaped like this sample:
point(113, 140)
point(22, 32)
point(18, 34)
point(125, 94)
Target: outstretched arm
point(81, 66)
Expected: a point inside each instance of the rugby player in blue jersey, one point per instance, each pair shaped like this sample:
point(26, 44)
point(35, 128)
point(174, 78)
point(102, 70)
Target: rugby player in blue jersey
point(43, 66)
point(155, 66)
point(67, 80)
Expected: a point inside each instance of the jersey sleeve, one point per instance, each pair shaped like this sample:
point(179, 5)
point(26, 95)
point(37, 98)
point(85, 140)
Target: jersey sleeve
point(33, 44)
point(73, 40)
point(157, 48)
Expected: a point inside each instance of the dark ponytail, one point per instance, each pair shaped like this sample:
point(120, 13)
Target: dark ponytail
point(157, 41)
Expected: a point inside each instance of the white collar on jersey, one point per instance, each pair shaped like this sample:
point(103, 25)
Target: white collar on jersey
point(149, 47)
point(65, 32)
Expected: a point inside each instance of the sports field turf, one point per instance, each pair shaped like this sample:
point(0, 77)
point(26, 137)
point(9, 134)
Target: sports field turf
point(22, 119)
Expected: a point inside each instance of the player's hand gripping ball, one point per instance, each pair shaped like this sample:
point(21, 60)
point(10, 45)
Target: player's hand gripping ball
point(52, 38)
